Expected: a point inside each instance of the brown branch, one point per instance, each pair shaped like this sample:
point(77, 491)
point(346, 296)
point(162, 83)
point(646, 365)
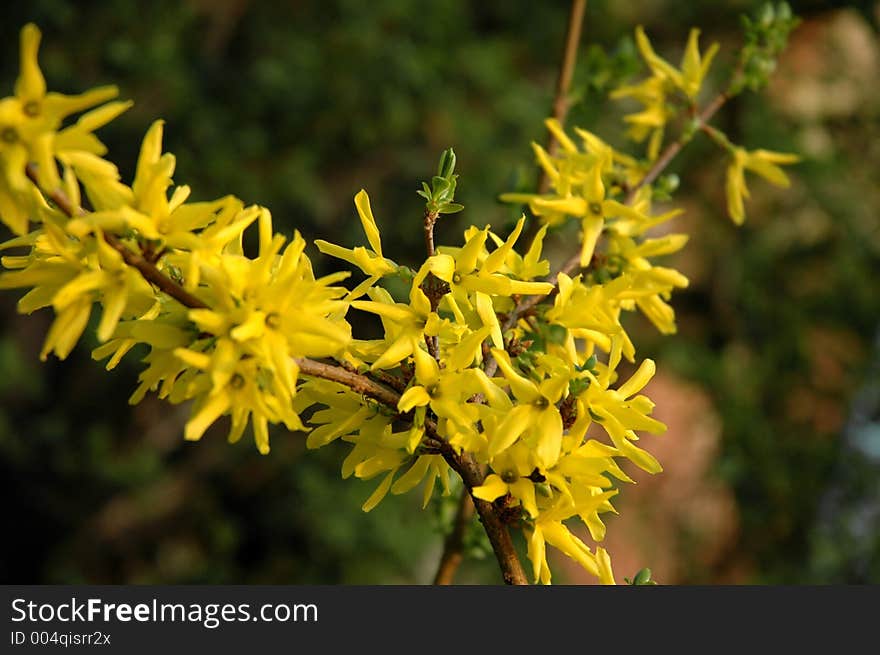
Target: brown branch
point(675, 147)
point(431, 285)
point(561, 102)
point(429, 221)
point(499, 536)
point(353, 380)
point(396, 383)
point(153, 275)
point(453, 546)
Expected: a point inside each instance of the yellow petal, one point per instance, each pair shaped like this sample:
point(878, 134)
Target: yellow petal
point(30, 85)
point(380, 492)
point(591, 228)
point(524, 489)
point(549, 429)
point(572, 205)
point(413, 476)
point(92, 120)
point(603, 559)
point(494, 261)
point(114, 303)
point(67, 329)
point(641, 458)
point(261, 434)
point(537, 553)
point(413, 397)
point(559, 134)
point(487, 315)
point(524, 389)
point(493, 487)
point(362, 202)
point(639, 379)
point(206, 411)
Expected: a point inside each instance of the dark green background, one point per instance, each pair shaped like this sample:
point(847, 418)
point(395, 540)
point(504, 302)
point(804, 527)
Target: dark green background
point(297, 106)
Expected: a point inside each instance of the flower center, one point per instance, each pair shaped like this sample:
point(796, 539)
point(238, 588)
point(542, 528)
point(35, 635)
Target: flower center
point(237, 381)
point(31, 108)
point(509, 476)
point(595, 209)
point(8, 134)
point(273, 320)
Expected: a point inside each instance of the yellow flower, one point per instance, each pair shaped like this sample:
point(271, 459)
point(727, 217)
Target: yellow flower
point(693, 66)
point(372, 262)
point(405, 324)
point(476, 276)
point(582, 193)
point(548, 528)
point(535, 416)
point(665, 78)
point(762, 162)
point(71, 276)
point(513, 468)
point(196, 233)
point(620, 411)
point(232, 382)
point(445, 391)
point(652, 119)
point(30, 131)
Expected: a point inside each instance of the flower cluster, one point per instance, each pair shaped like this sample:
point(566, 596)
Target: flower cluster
point(232, 348)
point(485, 359)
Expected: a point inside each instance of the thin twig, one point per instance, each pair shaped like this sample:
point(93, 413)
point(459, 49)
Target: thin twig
point(153, 275)
point(561, 102)
point(429, 221)
point(673, 148)
point(430, 286)
point(453, 546)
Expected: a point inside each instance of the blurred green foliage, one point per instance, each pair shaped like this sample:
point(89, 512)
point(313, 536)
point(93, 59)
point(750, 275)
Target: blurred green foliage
point(297, 106)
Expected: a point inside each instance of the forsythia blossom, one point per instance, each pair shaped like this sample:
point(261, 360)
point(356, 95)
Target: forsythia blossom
point(655, 92)
point(763, 162)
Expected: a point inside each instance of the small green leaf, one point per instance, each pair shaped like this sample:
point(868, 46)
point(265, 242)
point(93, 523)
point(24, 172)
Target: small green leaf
point(450, 208)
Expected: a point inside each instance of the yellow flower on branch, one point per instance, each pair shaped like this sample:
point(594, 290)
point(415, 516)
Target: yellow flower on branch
point(30, 131)
point(405, 324)
point(665, 79)
point(549, 528)
point(512, 470)
point(694, 67)
point(372, 262)
point(763, 162)
point(534, 417)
